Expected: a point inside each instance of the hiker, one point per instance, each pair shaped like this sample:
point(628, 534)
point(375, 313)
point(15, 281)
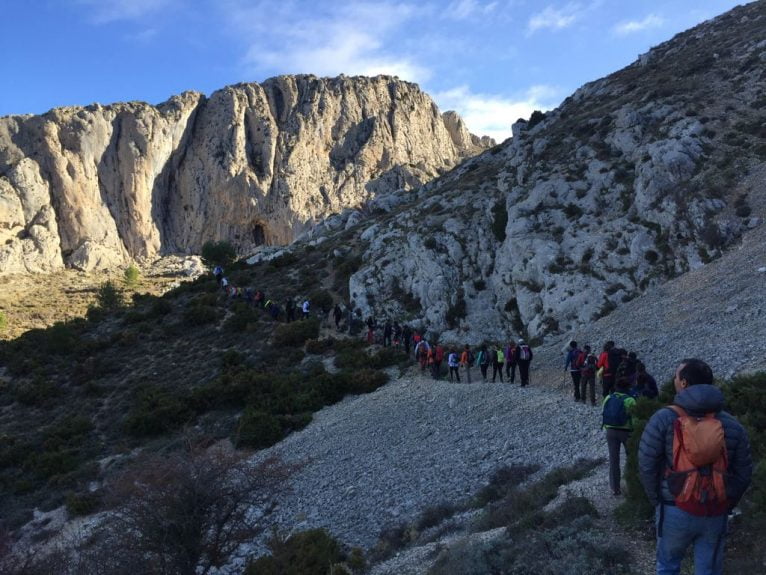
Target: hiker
point(397, 329)
point(224, 283)
point(260, 299)
point(628, 367)
point(406, 335)
point(305, 308)
point(588, 376)
point(218, 273)
point(574, 362)
point(371, 324)
point(618, 422)
point(416, 338)
point(290, 309)
point(454, 366)
point(466, 360)
point(510, 361)
point(438, 358)
point(498, 359)
point(421, 353)
point(525, 356)
point(482, 360)
point(693, 501)
point(337, 315)
point(607, 376)
point(388, 330)
point(646, 385)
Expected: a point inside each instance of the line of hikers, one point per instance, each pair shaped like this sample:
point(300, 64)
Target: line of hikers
point(613, 365)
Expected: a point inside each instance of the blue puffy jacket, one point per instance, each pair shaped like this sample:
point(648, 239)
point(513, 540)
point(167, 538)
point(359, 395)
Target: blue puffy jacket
point(656, 448)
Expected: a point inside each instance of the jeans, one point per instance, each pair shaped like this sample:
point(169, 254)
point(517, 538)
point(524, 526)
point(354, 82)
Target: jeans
point(677, 529)
point(510, 371)
point(454, 372)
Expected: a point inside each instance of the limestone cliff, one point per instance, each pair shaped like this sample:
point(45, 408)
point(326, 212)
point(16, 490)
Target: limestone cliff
point(634, 179)
point(253, 164)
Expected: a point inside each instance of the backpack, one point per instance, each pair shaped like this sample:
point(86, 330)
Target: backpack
point(439, 356)
point(579, 359)
point(471, 358)
point(615, 414)
point(483, 358)
point(613, 360)
point(524, 352)
point(696, 478)
point(589, 365)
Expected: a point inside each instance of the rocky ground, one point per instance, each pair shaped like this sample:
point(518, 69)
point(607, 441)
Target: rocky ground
point(379, 460)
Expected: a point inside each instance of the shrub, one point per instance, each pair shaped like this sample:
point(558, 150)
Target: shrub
point(131, 275)
point(313, 552)
point(499, 220)
point(430, 243)
point(321, 299)
point(536, 117)
point(156, 411)
point(3, 321)
point(109, 297)
point(160, 307)
point(79, 504)
point(258, 429)
point(243, 318)
point(296, 333)
point(366, 380)
point(218, 254)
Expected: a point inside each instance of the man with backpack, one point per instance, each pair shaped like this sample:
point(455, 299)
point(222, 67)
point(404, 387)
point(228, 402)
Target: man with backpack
point(588, 376)
point(695, 464)
point(482, 360)
point(466, 360)
point(574, 362)
point(618, 422)
point(524, 358)
point(510, 361)
point(454, 366)
point(498, 359)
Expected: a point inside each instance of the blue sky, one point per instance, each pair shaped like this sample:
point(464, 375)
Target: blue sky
point(493, 61)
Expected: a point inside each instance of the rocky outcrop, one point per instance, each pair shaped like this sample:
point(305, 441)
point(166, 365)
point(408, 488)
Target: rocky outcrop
point(252, 164)
point(634, 179)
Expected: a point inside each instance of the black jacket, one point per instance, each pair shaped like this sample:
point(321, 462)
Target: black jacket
point(656, 448)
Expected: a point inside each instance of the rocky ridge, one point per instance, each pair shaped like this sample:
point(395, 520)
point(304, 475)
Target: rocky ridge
point(635, 179)
point(98, 186)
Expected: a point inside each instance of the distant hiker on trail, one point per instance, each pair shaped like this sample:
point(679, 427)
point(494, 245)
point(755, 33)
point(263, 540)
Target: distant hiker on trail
point(416, 338)
point(371, 325)
point(646, 386)
point(260, 299)
point(397, 329)
point(290, 309)
point(454, 366)
point(422, 350)
point(305, 308)
point(406, 338)
point(618, 422)
point(388, 331)
point(524, 355)
point(588, 376)
point(510, 361)
point(218, 273)
point(337, 314)
point(574, 362)
point(224, 283)
point(607, 376)
point(466, 360)
point(438, 359)
point(693, 501)
point(482, 360)
point(498, 360)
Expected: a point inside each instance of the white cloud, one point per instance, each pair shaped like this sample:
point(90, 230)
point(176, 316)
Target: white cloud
point(463, 9)
point(555, 18)
point(634, 26)
point(105, 11)
point(283, 38)
point(492, 115)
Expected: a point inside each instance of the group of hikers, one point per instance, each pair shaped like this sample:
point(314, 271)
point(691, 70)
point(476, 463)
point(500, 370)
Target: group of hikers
point(694, 458)
point(257, 298)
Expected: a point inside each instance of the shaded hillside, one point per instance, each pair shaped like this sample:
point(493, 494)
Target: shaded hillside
point(94, 187)
point(634, 179)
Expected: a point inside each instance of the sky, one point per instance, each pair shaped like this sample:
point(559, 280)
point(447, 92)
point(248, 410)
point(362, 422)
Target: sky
point(493, 61)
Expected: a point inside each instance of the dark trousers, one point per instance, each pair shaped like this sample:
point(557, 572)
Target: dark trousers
point(454, 370)
point(436, 369)
point(484, 369)
point(290, 315)
point(607, 385)
point(497, 369)
point(614, 439)
point(510, 371)
point(524, 372)
point(576, 384)
point(386, 340)
point(588, 383)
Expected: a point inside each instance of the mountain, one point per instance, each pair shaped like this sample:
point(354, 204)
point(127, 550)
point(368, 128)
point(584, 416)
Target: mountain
point(635, 179)
point(95, 187)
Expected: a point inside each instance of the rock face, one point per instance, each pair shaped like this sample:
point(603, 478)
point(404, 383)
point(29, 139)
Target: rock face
point(252, 164)
point(634, 179)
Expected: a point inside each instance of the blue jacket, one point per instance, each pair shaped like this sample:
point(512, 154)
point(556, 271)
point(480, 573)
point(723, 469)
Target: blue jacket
point(655, 451)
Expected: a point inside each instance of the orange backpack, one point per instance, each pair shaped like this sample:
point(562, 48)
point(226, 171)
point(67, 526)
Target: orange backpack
point(696, 479)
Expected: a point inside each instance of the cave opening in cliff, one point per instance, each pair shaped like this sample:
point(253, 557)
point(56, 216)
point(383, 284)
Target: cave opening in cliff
point(259, 234)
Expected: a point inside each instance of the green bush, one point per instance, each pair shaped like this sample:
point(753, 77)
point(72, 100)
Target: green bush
point(3, 321)
point(321, 299)
point(243, 318)
point(258, 429)
point(296, 333)
point(156, 411)
point(109, 297)
point(131, 275)
point(366, 380)
point(313, 552)
point(199, 312)
point(160, 307)
point(80, 504)
point(218, 254)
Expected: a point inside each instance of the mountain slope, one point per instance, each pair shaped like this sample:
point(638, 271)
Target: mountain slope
point(252, 164)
